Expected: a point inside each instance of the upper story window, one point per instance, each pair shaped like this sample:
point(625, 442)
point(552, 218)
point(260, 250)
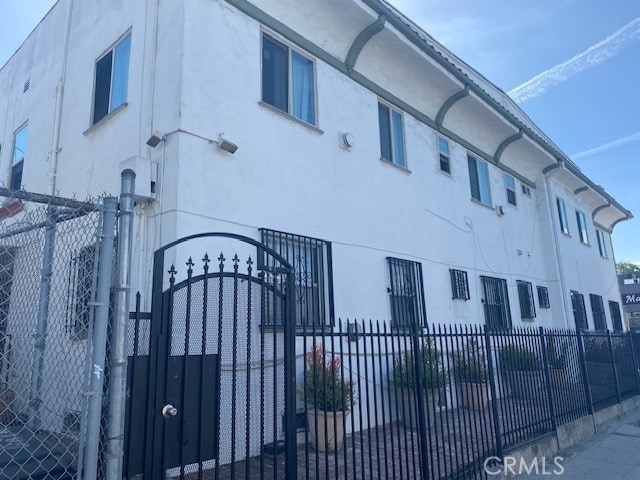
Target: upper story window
point(459, 284)
point(525, 295)
point(17, 161)
point(479, 180)
point(445, 158)
point(510, 186)
point(391, 135)
point(311, 260)
point(112, 78)
point(602, 246)
point(288, 80)
point(562, 216)
point(406, 293)
point(582, 227)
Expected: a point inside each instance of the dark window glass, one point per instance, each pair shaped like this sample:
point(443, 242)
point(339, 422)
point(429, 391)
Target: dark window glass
point(102, 92)
point(525, 295)
point(579, 311)
point(597, 309)
point(543, 297)
point(616, 318)
point(275, 74)
point(443, 149)
point(497, 310)
point(459, 284)
point(406, 293)
point(385, 132)
point(16, 176)
point(473, 178)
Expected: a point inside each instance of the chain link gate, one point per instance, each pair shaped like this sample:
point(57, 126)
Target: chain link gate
point(212, 367)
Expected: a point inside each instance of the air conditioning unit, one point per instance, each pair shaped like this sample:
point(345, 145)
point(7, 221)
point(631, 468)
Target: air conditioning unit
point(146, 176)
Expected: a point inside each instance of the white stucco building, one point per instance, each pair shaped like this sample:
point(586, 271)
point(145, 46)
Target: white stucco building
point(422, 179)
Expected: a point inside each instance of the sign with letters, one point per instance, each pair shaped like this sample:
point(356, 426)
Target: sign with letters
point(631, 298)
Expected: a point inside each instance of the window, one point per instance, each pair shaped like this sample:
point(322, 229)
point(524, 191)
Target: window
point(543, 297)
point(602, 246)
point(497, 310)
point(525, 190)
point(562, 216)
point(510, 185)
point(579, 311)
point(479, 180)
point(525, 295)
point(391, 135)
point(7, 260)
point(288, 80)
point(597, 308)
point(459, 284)
point(582, 227)
point(17, 162)
point(616, 319)
point(112, 77)
point(445, 159)
point(311, 260)
point(406, 293)
point(81, 287)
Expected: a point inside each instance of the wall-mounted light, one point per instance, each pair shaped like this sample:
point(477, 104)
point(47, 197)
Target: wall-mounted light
point(223, 143)
point(226, 145)
point(155, 139)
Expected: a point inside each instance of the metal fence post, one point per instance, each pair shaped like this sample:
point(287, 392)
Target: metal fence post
point(545, 361)
point(418, 391)
point(635, 360)
point(40, 337)
point(613, 366)
point(494, 393)
point(101, 305)
point(583, 369)
point(291, 443)
point(118, 352)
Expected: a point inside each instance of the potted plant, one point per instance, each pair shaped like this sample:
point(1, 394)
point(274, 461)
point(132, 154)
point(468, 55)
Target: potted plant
point(432, 380)
point(470, 372)
point(522, 370)
point(557, 361)
point(328, 398)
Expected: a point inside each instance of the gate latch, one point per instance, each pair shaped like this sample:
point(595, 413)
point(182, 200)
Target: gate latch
point(169, 411)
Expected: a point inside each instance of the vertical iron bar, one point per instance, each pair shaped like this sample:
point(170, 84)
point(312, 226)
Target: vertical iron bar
point(494, 394)
point(392, 435)
point(583, 369)
point(221, 261)
point(129, 425)
point(382, 400)
point(185, 371)
point(101, 320)
point(203, 353)
point(613, 365)
point(635, 360)
point(545, 361)
point(247, 426)
point(291, 467)
point(234, 365)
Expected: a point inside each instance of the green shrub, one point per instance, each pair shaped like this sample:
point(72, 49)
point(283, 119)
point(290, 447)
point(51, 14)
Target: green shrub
point(470, 364)
point(516, 358)
point(430, 366)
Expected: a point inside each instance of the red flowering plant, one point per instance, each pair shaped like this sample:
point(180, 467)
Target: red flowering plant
point(323, 386)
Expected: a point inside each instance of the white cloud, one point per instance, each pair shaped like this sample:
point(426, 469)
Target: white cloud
point(608, 146)
point(594, 55)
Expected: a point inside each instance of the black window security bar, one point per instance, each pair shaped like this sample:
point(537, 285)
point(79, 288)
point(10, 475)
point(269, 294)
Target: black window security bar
point(406, 293)
point(525, 295)
point(82, 285)
point(579, 310)
point(311, 260)
point(543, 297)
point(616, 319)
point(597, 308)
point(459, 284)
point(496, 303)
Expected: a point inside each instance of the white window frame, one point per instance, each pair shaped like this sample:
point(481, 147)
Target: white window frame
point(479, 200)
point(561, 209)
point(581, 221)
point(393, 109)
point(602, 246)
point(20, 161)
point(525, 189)
point(440, 154)
point(290, 48)
point(508, 189)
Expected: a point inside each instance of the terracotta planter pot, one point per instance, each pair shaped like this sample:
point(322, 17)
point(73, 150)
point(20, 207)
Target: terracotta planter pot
point(475, 396)
point(407, 410)
point(326, 429)
point(525, 384)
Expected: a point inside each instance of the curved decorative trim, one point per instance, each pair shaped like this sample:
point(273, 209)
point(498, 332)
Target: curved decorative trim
point(599, 209)
point(361, 40)
point(555, 166)
point(502, 147)
point(580, 190)
point(449, 103)
point(617, 222)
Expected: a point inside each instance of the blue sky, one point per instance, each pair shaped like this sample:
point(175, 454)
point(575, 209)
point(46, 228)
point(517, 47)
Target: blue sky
point(590, 102)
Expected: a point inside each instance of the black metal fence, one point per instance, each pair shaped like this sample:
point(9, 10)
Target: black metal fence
point(377, 402)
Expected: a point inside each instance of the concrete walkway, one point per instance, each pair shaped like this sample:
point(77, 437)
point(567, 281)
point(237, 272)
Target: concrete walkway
point(613, 453)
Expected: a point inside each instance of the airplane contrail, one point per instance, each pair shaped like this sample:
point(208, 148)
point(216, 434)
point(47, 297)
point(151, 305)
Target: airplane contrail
point(608, 146)
point(592, 56)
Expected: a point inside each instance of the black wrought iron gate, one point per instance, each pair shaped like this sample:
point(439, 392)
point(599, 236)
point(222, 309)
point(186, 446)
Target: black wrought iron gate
point(217, 375)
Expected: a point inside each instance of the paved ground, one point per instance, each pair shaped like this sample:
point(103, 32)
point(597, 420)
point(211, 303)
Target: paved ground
point(611, 454)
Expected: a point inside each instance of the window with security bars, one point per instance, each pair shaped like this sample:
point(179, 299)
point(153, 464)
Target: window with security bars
point(579, 311)
point(81, 287)
point(597, 309)
point(459, 284)
point(406, 293)
point(616, 318)
point(311, 261)
point(543, 297)
point(7, 258)
point(525, 295)
point(497, 309)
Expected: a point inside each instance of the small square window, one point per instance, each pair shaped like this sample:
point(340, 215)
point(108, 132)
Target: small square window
point(459, 284)
point(112, 78)
point(444, 156)
point(288, 80)
point(543, 297)
point(479, 180)
point(510, 185)
point(525, 294)
point(391, 135)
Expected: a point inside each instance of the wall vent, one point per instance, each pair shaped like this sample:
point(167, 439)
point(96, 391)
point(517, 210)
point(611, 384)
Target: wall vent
point(26, 86)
